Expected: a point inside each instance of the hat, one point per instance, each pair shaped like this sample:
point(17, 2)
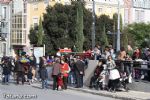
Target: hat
point(23, 53)
point(57, 60)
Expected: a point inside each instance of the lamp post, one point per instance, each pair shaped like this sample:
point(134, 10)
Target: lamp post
point(3, 35)
point(93, 26)
point(118, 28)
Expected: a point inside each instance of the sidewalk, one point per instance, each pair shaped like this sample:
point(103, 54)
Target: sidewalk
point(130, 95)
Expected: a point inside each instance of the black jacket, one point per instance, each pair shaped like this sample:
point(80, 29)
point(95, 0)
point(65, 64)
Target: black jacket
point(6, 69)
point(19, 67)
point(79, 67)
point(44, 73)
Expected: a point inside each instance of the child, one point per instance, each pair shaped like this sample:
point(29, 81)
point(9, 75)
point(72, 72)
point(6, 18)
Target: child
point(104, 77)
point(59, 82)
point(30, 76)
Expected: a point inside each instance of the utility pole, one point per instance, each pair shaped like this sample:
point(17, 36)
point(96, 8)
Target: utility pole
point(93, 26)
point(118, 29)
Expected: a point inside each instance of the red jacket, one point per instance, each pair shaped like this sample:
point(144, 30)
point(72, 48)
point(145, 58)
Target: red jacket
point(65, 69)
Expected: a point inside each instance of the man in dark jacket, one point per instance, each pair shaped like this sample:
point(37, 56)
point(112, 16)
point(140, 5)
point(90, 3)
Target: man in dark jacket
point(44, 77)
point(6, 71)
point(79, 70)
point(20, 71)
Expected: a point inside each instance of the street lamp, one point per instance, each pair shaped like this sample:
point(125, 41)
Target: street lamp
point(3, 35)
point(118, 28)
point(93, 26)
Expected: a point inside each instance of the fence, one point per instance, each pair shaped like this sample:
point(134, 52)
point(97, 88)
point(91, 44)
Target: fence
point(139, 69)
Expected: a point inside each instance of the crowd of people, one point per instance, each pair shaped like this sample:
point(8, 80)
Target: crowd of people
point(20, 68)
point(116, 69)
point(69, 70)
point(25, 69)
point(107, 76)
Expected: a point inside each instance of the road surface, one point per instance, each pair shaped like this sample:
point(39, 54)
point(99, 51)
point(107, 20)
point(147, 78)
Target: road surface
point(34, 92)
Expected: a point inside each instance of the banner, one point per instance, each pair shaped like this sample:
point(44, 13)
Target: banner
point(38, 52)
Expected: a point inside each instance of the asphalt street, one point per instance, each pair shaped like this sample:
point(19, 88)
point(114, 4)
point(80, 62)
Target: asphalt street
point(33, 92)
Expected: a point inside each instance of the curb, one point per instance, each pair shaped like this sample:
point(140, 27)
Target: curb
point(105, 94)
point(101, 93)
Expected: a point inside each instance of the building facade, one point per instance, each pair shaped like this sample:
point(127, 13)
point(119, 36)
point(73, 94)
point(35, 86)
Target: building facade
point(18, 24)
point(26, 14)
point(107, 7)
point(35, 10)
point(137, 11)
point(5, 48)
point(18, 16)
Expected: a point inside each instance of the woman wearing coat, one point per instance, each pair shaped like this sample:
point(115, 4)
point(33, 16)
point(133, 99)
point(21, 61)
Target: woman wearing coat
point(65, 69)
point(114, 75)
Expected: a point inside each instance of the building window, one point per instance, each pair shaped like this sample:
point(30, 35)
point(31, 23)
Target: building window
point(25, 7)
point(17, 37)
point(35, 22)
point(35, 7)
point(126, 15)
point(46, 1)
point(100, 10)
point(3, 48)
point(137, 15)
point(109, 10)
point(90, 9)
point(4, 12)
point(142, 13)
point(24, 21)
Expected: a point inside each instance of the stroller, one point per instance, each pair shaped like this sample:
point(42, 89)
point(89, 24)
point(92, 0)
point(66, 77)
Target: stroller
point(102, 80)
point(111, 80)
point(118, 81)
point(124, 80)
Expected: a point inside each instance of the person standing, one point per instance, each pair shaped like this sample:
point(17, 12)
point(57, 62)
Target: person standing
point(20, 71)
point(6, 71)
point(114, 74)
point(65, 69)
point(56, 72)
point(44, 77)
point(79, 70)
point(96, 53)
point(129, 51)
point(41, 63)
point(137, 54)
point(72, 77)
point(121, 57)
point(33, 66)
